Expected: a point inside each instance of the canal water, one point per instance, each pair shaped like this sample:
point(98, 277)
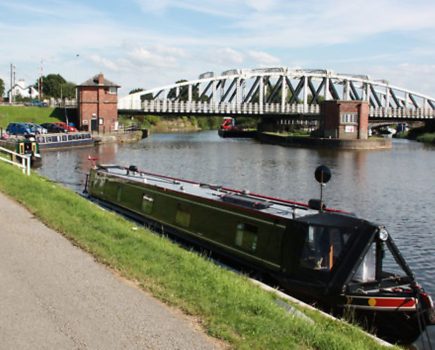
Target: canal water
point(392, 187)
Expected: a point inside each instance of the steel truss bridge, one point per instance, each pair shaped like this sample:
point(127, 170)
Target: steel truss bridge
point(281, 92)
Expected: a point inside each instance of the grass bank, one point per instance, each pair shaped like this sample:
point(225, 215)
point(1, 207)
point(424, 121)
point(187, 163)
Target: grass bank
point(424, 133)
point(36, 115)
point(428, 137)
point(228, 305)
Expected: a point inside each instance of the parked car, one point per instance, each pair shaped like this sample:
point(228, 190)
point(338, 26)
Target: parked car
point(68, 128)
point(36, 128)
point(36, 103)
point(53, 128)
point(19, 129)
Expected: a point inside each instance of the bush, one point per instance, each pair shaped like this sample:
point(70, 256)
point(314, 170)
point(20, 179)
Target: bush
point(427, 138)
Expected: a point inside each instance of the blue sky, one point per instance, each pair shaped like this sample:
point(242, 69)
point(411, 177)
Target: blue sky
point(148, 43)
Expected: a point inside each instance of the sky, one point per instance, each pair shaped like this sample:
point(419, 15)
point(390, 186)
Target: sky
point(150, 43)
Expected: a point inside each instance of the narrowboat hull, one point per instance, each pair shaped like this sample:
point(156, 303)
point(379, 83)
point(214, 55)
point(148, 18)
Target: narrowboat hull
point(237, 133)
point(280, 240)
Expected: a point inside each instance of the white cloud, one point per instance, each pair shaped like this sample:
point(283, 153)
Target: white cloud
point(411, 76)
point(262, 5)
point(50, 10)
point(157, 56)
point(104, 63)
point(226, 56)
point(153, 6)
point(222, 8)
point(262, 58)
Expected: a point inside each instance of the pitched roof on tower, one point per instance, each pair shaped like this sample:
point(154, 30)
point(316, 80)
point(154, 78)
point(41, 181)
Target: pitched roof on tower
point(99, 80)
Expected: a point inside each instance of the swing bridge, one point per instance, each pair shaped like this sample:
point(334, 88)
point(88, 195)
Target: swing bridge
point(280, 92)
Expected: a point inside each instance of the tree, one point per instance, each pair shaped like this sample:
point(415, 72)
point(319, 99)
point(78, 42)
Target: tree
point(68, 90)
point(2, 88)
point(54, 85)
point(184, 92)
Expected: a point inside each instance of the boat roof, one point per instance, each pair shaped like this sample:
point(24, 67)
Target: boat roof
point(268, 205)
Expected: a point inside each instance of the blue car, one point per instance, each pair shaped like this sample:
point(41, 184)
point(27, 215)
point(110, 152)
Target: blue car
point(19, 129)
point(36, 128)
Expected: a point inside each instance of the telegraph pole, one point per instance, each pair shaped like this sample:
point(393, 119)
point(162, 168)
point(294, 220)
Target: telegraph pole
point(11, 92)
point(40, 81)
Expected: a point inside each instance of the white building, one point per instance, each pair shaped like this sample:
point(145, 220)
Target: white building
point(22, 89)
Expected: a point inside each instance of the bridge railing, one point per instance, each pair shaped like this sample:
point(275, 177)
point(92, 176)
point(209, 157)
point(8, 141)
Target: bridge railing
point(397, 113)
point(206, 107)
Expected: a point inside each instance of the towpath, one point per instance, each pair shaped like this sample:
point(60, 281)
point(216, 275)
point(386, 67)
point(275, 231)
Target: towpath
point(55, 296)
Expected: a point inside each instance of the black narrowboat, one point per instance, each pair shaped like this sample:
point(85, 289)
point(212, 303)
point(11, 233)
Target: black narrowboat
point(333, 259)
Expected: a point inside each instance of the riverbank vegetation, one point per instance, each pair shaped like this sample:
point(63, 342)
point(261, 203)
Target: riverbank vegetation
point(182, 123)
point(424, 133)
point(227, 305)
point(427, 137)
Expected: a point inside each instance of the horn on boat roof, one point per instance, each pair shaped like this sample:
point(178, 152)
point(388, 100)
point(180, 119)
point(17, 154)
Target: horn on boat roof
point(322, 175)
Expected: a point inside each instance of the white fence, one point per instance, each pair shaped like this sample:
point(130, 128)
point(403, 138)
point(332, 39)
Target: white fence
point(25, 159)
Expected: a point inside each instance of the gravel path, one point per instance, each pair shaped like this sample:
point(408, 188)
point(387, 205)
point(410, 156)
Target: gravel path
point(55, 296)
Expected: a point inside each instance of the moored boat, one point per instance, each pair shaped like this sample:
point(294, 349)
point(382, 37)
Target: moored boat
point(325, 256)
point(64, 140)
point(237, 133)
point(228, 128)
point(23, 146)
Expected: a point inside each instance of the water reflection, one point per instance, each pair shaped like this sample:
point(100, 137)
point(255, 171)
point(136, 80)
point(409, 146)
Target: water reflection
point(391, 187)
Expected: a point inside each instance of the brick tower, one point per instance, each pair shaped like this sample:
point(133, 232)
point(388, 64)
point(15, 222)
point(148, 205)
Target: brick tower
point(98, 104)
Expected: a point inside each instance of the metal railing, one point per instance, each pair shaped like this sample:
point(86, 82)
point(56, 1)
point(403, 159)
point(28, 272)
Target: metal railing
point(24, 164)
point(200, 107)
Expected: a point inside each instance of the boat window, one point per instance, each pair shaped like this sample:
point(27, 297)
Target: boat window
point(147, 203)
point(246, 237)
point(390, 267)
point(379, 264)
point(367, 270)
point(182, 216)
point(323, 246)
point(63, 137)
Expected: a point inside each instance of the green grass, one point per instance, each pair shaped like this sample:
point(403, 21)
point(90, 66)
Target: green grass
point(36, 115)
point(428, 137)
point(228, 306)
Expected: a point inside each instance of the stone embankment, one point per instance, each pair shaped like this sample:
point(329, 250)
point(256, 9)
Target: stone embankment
point(121, 137)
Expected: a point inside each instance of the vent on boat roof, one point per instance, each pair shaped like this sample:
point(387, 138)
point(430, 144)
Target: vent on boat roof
point(245, 201)
point(132, 168)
